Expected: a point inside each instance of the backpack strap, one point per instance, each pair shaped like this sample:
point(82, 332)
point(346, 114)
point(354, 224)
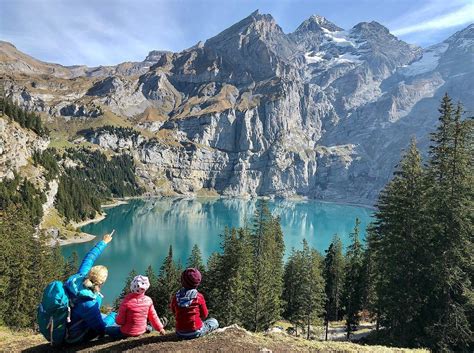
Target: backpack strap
point(51, 329)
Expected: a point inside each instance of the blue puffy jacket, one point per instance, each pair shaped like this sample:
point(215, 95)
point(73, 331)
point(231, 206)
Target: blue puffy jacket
point(86, 317)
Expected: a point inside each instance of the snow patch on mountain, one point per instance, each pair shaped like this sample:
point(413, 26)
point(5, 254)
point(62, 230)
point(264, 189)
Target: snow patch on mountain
point(428, 62)
point(466, 43)
point(339, 38)
point(329, 60)
point(347, 58)
point(313, 58)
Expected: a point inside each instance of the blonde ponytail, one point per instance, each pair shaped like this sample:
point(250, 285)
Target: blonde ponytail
point(96, 277)
point(88, 284)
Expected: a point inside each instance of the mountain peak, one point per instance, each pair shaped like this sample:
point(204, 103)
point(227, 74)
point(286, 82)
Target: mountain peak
point(462, 40)
point(155, 55)
point(317, 23)
point(372, 26)
point(257, 16)
point(264, 24)
point(254, 46)
point(255, 13)
point(467, 32)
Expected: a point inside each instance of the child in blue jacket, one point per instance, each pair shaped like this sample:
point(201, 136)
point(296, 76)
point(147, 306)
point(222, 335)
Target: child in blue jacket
point(83, 288)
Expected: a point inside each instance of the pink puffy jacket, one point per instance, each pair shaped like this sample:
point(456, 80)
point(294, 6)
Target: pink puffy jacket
point(133, 314)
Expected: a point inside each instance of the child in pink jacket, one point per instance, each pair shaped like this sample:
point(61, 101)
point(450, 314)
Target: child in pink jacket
point(136, 309)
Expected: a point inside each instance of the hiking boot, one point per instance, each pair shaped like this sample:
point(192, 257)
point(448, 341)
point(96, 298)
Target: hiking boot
point(164, 322)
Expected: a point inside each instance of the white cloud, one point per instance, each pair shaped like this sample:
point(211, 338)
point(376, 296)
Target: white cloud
point(91, 32)
point(456, 17)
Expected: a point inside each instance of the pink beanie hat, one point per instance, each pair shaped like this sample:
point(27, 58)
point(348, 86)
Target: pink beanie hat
point(139, 284)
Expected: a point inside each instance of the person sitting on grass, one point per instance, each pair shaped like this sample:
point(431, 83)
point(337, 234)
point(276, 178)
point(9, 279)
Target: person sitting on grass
point(83, 289)
point(135, 309)
point(189, 308)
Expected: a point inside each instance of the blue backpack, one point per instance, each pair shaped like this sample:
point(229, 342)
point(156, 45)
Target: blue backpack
point(54, 313)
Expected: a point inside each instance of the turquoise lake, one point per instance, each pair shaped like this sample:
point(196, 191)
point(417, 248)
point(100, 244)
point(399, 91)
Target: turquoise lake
point(144, 230)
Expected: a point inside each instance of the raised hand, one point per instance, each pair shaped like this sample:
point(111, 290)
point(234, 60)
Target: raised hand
point(107, 238)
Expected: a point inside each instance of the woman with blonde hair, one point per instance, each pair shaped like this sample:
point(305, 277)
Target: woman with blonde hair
point(83, 289)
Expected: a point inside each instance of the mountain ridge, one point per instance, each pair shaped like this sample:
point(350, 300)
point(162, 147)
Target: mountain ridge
point(320, 112)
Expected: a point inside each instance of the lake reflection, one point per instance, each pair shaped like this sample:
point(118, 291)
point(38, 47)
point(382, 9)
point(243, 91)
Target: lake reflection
point(146, 228)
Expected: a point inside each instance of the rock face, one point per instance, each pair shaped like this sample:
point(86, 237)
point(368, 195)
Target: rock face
point(321, 112)
point(114, 141)
point(16, 148)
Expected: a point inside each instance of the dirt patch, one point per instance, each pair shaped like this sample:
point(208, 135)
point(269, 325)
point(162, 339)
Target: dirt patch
point(229, 339)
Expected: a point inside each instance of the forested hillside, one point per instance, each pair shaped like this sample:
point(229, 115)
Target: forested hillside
point(85, 178)
point(27, 119)
point(89, 179)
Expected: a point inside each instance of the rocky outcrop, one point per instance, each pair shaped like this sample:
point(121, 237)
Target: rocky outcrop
point(115, 140)
point(321, 112)
point(16, 148)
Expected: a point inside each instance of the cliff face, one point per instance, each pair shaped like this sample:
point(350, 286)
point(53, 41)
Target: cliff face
point(16, 149)
point(320, 112)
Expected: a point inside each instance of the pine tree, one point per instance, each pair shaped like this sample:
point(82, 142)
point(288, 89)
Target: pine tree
point(27, 265)
point(25, 119)
point(312, 288)
point(234, 276)
point(152, 292)
point(15, 296)
point(334, 280)
point(7, 248)
point(353, 281)
point(195, 260)
point(57, 263)
point(125, 290)
point(168, 284)
point(450, 325)
point(403, 249)
point(303, 288)
point(371, 275)
point(264, 292)
point(211, 286)
point(72, 265)
point(291, 287)
point(422, 242)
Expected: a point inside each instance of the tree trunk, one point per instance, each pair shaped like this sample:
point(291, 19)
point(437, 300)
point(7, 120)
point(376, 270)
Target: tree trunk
point(307, 334)
point(327, 328)
point(348, 326)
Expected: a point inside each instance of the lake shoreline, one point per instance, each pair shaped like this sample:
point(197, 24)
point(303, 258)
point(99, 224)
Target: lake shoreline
point(86, 237)
point(98, 217)
point(115, 203)
point(82, 238)
point(295, 198)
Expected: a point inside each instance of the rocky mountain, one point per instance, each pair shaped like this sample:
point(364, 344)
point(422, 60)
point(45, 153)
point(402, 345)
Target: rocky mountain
point(17, 146)
point(321, 112)
point(14, 61)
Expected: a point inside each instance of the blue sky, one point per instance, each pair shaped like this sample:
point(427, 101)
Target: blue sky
point(104, 32)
